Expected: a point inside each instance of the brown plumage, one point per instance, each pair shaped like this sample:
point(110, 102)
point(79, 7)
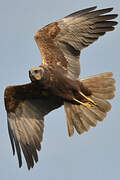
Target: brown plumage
point(55, 83)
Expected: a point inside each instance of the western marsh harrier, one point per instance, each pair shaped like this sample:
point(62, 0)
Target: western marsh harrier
point(55, 83)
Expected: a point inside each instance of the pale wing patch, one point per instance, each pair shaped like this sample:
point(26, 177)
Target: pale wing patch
point(72, 56)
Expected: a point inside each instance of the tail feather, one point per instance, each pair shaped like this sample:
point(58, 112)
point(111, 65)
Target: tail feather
point(91, 117)
point(102, 104)
point(69, 118)
point(77, 124)
point(82, 118)
point(98, 76)
point(103, 90)
point(104, 96)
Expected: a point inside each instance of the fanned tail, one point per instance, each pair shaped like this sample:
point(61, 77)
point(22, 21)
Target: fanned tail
point(80, 117)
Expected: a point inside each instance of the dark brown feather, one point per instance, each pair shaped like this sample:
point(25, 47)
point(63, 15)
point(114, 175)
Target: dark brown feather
point(26, 106)
point(98, 12)
point(81, 12)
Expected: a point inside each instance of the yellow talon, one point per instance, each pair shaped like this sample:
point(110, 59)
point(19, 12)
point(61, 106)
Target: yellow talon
point(87, 104)
point(89, 99)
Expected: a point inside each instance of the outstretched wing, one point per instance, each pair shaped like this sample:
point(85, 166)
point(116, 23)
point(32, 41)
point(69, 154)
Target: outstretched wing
point(60, 43)
point(26, 106)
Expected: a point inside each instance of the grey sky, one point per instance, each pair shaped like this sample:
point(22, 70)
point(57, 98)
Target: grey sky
point(93, 155)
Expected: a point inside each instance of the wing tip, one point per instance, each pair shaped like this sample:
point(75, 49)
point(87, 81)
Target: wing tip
point(81, 12)
point(91, 8)
point(114, 16)
point(20, 165)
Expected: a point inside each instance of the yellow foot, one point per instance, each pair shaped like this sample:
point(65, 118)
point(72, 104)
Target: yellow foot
point(87, 104)
point(89, 99)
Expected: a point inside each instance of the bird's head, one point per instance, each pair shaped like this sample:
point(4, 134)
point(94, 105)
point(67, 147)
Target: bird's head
point(37, 73)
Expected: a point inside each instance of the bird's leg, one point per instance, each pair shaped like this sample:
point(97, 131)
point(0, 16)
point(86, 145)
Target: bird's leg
point(87, 104)
point(87, 98)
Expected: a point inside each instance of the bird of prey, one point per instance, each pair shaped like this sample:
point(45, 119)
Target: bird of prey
point(56, 82)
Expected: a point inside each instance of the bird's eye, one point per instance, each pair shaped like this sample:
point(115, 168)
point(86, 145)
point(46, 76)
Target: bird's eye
point(36, 71)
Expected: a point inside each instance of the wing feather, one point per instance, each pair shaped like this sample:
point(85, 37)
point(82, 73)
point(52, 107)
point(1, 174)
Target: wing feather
point(60, 43)
point(81, 12)
point(26, 108)
point(81, 29)
point(76, 29)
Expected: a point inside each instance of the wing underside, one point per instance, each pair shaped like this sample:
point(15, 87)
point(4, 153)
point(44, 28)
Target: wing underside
point(25, 114)
point(60, 43)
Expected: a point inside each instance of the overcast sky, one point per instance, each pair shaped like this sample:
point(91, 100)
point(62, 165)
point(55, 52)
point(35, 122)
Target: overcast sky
point(93, 155)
